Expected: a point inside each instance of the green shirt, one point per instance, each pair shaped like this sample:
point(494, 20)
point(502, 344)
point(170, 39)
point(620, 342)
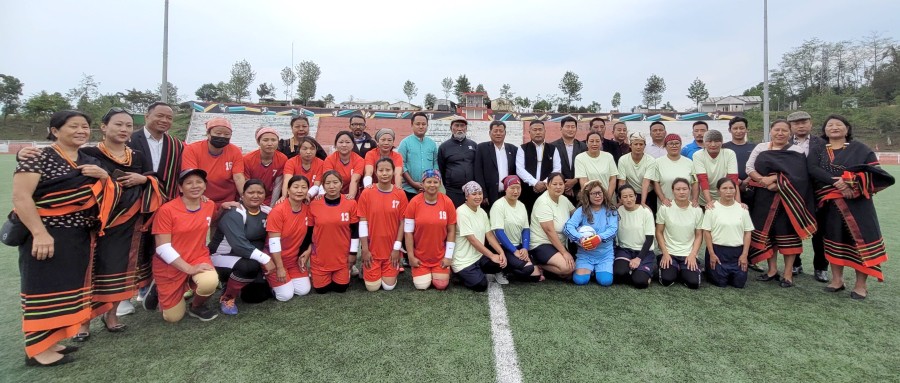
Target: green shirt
point(600, 168)
point(469, 222)
point(418, 156)
point(511, 219)
point(633, 173)
point(727, 224)
point(665, 171)
point(680, 227)
point(715, 169)
point(545, 210)
point(634, 227)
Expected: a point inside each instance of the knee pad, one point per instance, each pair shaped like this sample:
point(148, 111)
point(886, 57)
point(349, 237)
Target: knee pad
point(301, 286)
point(581, 279)
point(284, 292)
point(339, 288)
point(207, 282)
point(441, 284)
point(373, 286)
point(388, 287)
point(604, 278)
point(423, 281)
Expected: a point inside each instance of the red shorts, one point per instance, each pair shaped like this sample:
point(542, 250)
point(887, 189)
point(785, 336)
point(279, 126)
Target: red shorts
point(425, 270)
point(381, 268)
point(171, 283)
point(321, 278)
point(291, 269)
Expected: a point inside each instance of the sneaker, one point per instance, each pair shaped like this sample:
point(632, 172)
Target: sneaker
point(125, 308)
point(228, 307)
point(354, 271)
point(151, 299)
point(141, 293)
point(796, 270)
point(202, 313)
point(501, 279)
point(822, 276)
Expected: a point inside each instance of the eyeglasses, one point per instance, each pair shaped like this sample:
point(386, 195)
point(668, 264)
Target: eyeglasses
point(358, 125)
point(673, 143)
point(596, 194)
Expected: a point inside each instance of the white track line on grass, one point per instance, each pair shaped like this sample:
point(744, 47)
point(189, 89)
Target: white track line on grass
point(506, 363)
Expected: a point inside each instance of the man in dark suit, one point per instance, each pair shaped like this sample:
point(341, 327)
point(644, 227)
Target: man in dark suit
point(568, 147)
point(535, 160)
point(163, 151)
point(494, 160)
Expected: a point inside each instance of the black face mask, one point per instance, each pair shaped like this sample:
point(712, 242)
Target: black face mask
point(219, 142)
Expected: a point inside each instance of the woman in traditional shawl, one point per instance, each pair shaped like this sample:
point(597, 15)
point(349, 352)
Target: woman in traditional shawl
point(59, 196)
point(847, 175)
point(116, 253)
point(782, 204)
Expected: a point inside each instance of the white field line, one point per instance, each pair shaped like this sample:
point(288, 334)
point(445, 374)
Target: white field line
point(506, 363)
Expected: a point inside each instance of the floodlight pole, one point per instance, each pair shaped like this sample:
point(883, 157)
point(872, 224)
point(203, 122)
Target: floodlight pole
point(765, 70)
point(164, 90)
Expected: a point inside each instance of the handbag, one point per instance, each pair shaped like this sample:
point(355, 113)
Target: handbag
point(14, 232)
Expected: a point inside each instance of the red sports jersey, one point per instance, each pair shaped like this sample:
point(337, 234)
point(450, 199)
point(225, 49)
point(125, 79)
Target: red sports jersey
point(188, 230)
point(254, 169)
point(355, 166)
point(331, 233)
point(373, 156)
point(220, 170)
point(294, 167)
point(384, 212)
point(430, 235)
point(292, 227)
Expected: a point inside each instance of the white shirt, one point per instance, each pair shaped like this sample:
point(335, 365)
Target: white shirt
point(502, 164)
point(156, 147)
point(803, 144)
point(527, 177)
point(569, 149)
point(762, 147)
point(655, 151)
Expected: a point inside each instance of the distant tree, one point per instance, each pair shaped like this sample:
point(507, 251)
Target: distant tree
point(309, 73)
point(886, 80)
point(447, 85)
point(480, 88)
point(653, 91)
point(287, 78)
point(543, 106)
point(85, 91)
point(328, 99)
point(430, 100)
point(668, 106)
point(462, 86)
point(571, 86)
point(697, 92)
point(505, 93)
point(242, 75)
point(137, 100)
point(10, 90)
point(210, 92)
point(171, 92)
point(410, 90)
point(44, 104)
point(265, 90)
point(616, 100)
point(594, 107)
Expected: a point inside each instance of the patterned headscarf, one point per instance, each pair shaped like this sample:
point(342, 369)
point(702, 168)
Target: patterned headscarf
point(431, 173)
point(471, 187)
point(634, 136)
point(671, 137)
point(511, 180)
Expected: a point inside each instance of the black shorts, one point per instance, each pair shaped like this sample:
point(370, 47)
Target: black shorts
point(474, 274)
point(541, 255)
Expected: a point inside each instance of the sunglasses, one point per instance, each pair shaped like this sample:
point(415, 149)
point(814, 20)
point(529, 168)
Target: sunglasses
point(114, 111)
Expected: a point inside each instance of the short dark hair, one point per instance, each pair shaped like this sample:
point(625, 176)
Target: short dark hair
point(619, 122)
point(417, 114)
point(553, 175)
point(112, 112)
point(60, 118)
point(626, 187)
point(588, 137)
point(700, 123)
point(736, 120)
point(535, 122)
point(342, 133)
point(657, 123)
point(299, 117)
point(312, 141)
point(357, 116)
point(680, 180)
point(298, 178)
point(385, 159)
point(332, 172)
point(595, 119)
point(497, 123)
point(848, 137)
point(158, 103)
point(722, 181)
point(568, 119)
point(253, 181)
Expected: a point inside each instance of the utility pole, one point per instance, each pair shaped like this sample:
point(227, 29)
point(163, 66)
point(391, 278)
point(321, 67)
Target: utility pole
point(765, 70)
point(165, 75)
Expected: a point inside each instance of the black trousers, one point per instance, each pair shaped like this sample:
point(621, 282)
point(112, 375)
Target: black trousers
point(818, 244)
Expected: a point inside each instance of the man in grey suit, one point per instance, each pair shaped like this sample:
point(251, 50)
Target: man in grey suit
point(494, 160)
point(568, 147)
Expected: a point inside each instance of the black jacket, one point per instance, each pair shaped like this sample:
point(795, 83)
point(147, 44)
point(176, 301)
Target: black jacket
point(364, 147)
point(486, 168)
point(456, 161)
point(568, 169)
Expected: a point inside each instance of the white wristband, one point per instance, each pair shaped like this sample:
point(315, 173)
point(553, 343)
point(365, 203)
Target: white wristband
point(354, 245)
point(363, 229)
point(275, 245)
point(448, 250)
point(260, 257)
point(313, 191)
point(397, 245)
point(167, 253)
point(367, 180)
point(409, 225)
point(320, 190)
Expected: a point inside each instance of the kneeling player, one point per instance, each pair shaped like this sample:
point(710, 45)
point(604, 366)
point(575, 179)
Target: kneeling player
point(430, 228)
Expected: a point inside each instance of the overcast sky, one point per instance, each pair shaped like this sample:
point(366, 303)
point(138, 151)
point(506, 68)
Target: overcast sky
point(368, 49)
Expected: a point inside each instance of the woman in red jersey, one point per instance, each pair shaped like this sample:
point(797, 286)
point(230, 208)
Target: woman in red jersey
point(385, 139)
point(430, 228)
point(266, 163)
point(305, 164)
point(381, 227)
point(346, 163)
point(289, 236)
point(335, 226)
point(181, 227)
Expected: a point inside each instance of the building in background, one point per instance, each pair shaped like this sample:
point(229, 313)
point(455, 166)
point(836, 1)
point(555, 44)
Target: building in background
point(730, 104)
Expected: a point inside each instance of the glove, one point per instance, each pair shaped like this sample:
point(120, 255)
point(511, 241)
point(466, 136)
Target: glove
point(590, 242)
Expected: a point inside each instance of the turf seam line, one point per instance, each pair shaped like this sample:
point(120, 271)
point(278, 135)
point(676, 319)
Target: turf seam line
point(506, 363)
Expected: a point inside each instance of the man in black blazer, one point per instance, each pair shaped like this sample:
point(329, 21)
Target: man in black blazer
point(494, 160)
point(568, 147)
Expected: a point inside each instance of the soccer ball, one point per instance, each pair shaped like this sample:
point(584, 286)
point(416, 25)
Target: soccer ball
point(589, 238)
